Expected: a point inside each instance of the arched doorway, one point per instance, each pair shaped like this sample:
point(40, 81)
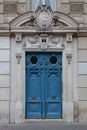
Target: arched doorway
point(35, 39)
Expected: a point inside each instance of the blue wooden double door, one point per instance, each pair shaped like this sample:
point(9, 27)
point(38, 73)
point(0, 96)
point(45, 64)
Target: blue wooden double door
point(43, 85)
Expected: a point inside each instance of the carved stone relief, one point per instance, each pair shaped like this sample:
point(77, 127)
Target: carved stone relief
point(44, 42)
point(69, 58)
point(44, 17)
point(31, 24)
point(43, 20)
point(18, 37)
point(69, 48)
point(57, 40)
point(18, 57)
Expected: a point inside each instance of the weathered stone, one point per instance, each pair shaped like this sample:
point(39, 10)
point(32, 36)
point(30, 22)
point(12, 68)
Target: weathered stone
point(85, 8)
point(1, 18)
point(78, 17)
point(71, 56)
point(4, 81)
point(76, 0)
point(82, 111)
point(1, 8)
point(81, 44)
point(4, 94)
point(82, 94)
point(82, 68)
point(85, 1)
point(10, 0)
point(82, 81)
point(82, 55)
point(76, 7)
point(4, 55)
point(12, 112)
point(85, 21)
point(22, 8)
point(64, 1)
point(4, 111)
point(28, 6)
point(1, 1)
point(4, 42)
point(22, 1)
point(68, 111)
point(8, 17)
point(5, 68)
point(10, 7)
point(65, 8)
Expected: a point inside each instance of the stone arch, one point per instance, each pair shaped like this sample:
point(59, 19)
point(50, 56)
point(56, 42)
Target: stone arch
point(29, 17)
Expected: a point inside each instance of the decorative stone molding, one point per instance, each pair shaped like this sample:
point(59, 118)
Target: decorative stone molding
point(69, 47)
point(32, 40)
point(44, 42)
point(44, 17)
point(69, 37)
point(69, 58)
point(57, 40)
point(43, 20)
point(18, 37)
point(18, 57)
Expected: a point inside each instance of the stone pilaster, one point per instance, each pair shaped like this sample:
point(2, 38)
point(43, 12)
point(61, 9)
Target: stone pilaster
point(18, 105)
point(68, 103)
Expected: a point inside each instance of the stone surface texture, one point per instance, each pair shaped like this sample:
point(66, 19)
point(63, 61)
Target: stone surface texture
point(4, 79)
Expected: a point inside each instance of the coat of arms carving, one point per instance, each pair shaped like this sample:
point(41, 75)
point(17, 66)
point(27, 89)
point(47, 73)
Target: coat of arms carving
point(44, 19)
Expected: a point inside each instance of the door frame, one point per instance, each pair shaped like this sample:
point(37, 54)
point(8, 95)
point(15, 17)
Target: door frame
point(18, 84)
point(24, 75)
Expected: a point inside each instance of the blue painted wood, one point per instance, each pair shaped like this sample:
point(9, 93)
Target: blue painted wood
point(53, 86)
point(44, 86)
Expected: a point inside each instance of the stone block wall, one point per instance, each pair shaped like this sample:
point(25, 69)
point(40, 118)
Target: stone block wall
point(4, 79)
point(9, 9)
point(76, 9)
point(82, 78)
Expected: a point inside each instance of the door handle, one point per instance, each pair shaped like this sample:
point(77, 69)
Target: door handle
point(34, 97)
point(53, 97)
point(33, 103)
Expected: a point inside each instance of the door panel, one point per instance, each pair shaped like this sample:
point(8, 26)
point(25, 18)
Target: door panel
point(53, 73)
point(44, 85)
point(34, 85)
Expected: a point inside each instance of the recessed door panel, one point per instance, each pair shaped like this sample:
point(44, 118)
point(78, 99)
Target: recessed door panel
point(44, 85)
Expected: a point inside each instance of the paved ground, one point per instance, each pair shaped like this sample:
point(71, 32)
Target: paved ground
point(45, 126)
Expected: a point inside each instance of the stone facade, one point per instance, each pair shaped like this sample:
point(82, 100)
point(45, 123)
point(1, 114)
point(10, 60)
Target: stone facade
point(18, 34)
point(4, 78)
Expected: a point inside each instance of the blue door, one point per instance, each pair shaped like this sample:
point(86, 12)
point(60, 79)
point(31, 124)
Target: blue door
point(43, 85)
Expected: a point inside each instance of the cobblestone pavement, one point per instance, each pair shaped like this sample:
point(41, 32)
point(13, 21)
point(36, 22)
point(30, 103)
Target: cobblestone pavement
point(45, 126)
